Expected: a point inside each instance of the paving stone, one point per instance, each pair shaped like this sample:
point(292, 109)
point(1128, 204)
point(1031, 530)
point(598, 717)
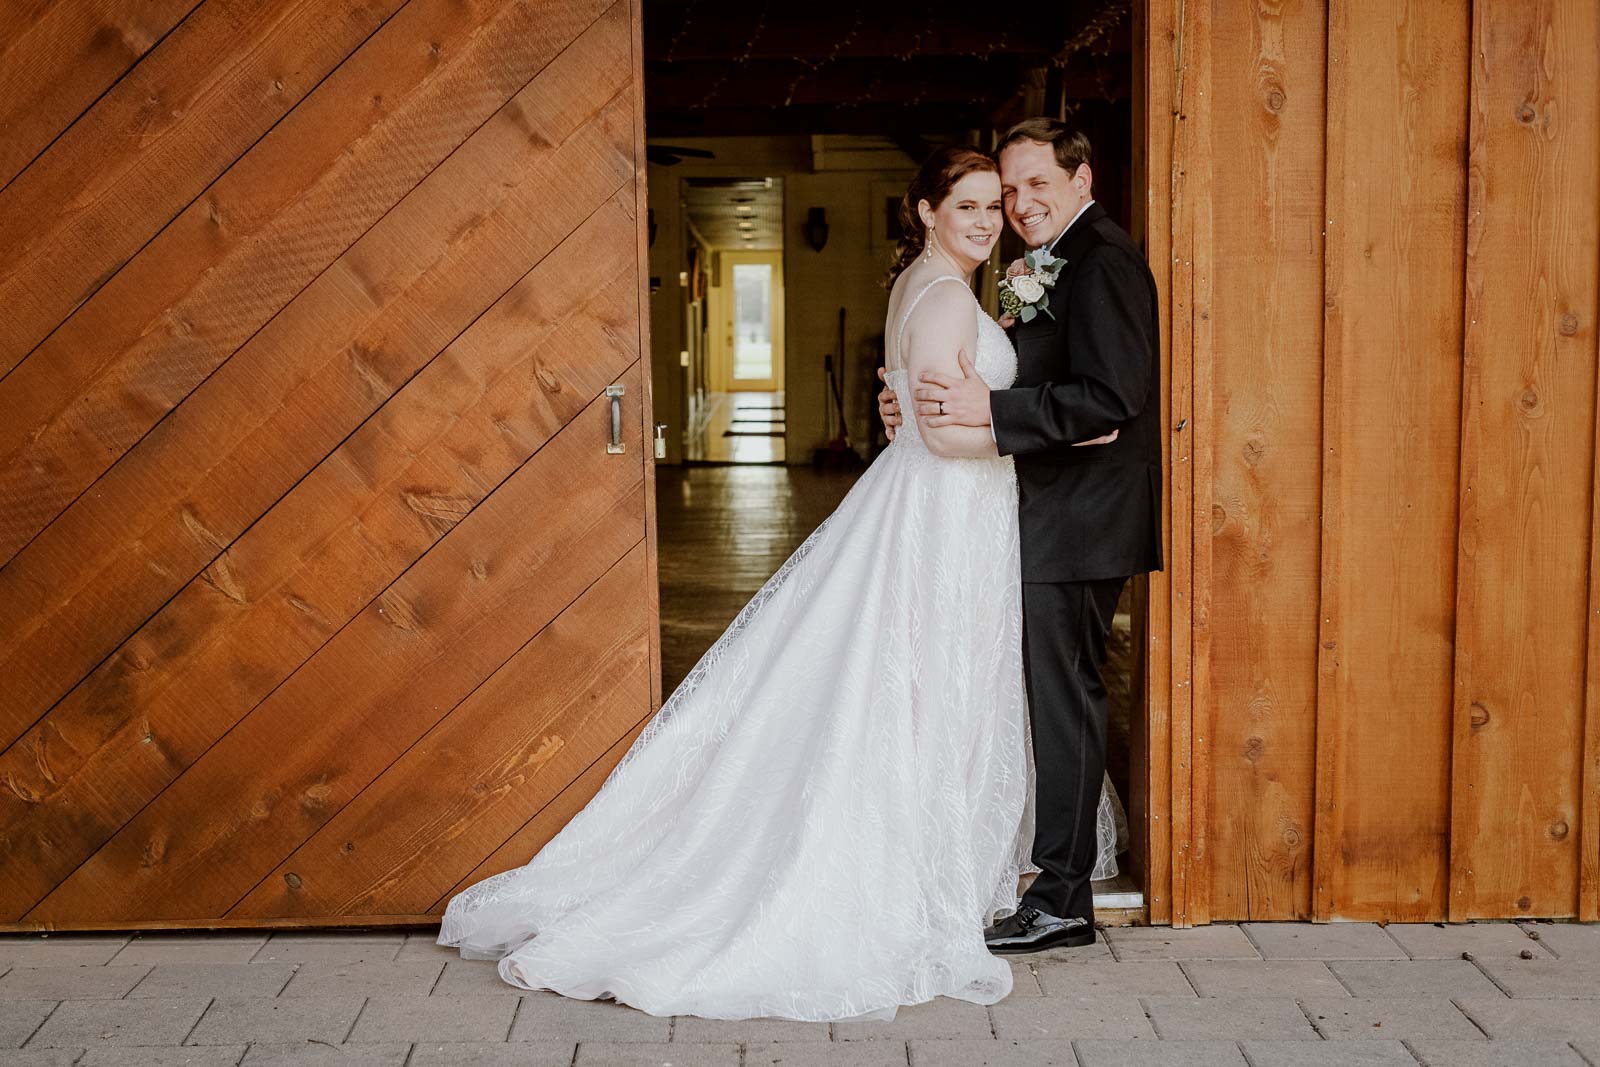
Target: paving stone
point(1229, 1018)
point(69, 982)
point(1099, 952)
point(318, 1054)
point(493, 1054)
point(1152, 978)
point(1388, 1017)
point(992, 1054)
point(1447, 941)
point(1158, 1054)
point(1323, 941)
point(190, 948)
point(695, 1030)
point(1327, 1054)
point(941, 1017)
point(619, 1054)
point(439, 1019)
point(1570, 941)
point(1496, 1054)
point(472, 978)
point(552, 1017)
point(1262, 978)
point(1410, 978)
point(90, 1023)
point(20, 1018)
point(256, 1019)
point(58, 950)
point(1070, 1018)
point(424, 945)
point(186, 1056)
point(331, 948)
point(1531, 1019)
point(1025, 980)
point(225, 980)
point(1220, 942)
point(414, 978)
point(1518, 977)
point(827, 1054)
point(39, 1057)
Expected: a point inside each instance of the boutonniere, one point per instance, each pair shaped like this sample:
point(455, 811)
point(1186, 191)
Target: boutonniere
point(1025, 290)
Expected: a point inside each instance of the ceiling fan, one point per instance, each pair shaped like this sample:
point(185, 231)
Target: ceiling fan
point(670, 155)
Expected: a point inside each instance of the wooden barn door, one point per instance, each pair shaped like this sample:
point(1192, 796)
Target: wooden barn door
point(323, 590)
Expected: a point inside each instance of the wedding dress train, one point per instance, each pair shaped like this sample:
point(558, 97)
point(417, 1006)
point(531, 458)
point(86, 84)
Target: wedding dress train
point(824, 816)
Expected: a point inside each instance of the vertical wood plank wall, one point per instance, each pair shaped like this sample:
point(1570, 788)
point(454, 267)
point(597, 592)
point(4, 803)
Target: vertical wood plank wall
point(1391, 477)
point(320, 593)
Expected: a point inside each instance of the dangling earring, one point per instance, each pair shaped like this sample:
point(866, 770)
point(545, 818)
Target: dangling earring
point(928, 244)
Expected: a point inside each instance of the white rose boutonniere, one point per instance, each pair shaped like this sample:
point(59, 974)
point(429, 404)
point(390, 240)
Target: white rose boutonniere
point(1023, 295)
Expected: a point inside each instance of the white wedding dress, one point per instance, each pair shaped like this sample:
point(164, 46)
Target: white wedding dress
point(827, 812)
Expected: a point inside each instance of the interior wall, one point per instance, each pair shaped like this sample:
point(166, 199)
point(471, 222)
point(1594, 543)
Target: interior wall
point(817, 284)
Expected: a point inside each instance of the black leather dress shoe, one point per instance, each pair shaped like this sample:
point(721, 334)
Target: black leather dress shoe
point(1032, 930)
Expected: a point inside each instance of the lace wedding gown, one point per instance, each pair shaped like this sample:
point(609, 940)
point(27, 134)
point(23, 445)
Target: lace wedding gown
point(827, 812)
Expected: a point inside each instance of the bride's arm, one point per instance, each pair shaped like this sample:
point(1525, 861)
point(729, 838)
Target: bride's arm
point(943, 324)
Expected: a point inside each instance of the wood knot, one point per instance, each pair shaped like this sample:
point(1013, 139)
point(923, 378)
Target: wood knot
point(1559, 830)
point(479, 569)
point(1254, 749)
point(348, 847)
point(1524, 903)
point(1275, 100)
point(1528, 402)
point(1568, 325)
point(1219, 518)
point(1291, 837)
point(291, 880)
point(1526, 113)
point(1480, 716)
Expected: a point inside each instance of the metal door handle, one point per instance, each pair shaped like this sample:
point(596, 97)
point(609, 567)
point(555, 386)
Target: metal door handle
point(615, 445)
point(661, 440)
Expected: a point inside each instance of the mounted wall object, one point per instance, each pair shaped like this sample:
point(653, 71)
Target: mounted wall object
point(817, 228)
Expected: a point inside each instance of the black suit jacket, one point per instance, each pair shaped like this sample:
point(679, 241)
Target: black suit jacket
point(1091, 512)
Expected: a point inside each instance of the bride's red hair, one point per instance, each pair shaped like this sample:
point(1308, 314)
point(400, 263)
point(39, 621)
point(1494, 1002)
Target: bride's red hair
point(933, 183)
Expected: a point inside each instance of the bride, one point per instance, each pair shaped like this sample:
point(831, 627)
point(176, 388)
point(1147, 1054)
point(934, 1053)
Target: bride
point(823, 818)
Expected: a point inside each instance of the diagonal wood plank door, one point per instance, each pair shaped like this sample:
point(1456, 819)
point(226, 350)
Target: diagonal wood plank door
point(321, 592)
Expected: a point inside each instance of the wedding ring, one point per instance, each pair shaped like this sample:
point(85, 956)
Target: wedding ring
point(941, 407)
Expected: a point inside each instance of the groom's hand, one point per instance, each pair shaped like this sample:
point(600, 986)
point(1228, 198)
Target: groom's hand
point(888, 406)
point(965, 400)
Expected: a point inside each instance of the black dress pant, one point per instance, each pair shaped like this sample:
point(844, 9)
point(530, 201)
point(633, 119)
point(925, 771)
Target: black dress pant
point(1064, 628)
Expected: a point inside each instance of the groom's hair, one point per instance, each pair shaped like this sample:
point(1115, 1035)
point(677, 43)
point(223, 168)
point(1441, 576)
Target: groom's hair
point(1071, 146)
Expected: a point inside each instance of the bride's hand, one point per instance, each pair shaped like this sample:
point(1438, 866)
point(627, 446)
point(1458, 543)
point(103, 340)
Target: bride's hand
point(1106, 440)
point(1007, 321)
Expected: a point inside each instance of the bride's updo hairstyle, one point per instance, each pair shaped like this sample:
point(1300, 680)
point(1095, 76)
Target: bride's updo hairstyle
point(933, 183)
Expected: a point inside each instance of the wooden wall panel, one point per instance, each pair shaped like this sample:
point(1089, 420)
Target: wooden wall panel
point(322, 457)
point(257, 237)
point(155, 141)
point(57, 56)
point(1527, 454)
point(1396, 222)
point(1266, 143)
point(340, 348)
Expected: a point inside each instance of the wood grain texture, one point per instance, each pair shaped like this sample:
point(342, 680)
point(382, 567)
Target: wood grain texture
point(56, 58)
point(201, 98)
point(497, 760)
point(257, 237)
point(369, 694)
point(1267, 112)
point(1155, 68)
point(1527, 444)
point(301, 572)
point(392, 302)
point(1391, 407)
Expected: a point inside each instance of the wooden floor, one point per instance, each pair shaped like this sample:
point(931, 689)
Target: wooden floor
point(738, 428)
point(723, 530)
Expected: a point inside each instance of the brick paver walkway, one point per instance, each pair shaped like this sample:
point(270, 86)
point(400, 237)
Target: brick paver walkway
point(1260, 994)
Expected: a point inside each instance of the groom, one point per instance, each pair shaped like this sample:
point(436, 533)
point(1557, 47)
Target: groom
point(1090, 517)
